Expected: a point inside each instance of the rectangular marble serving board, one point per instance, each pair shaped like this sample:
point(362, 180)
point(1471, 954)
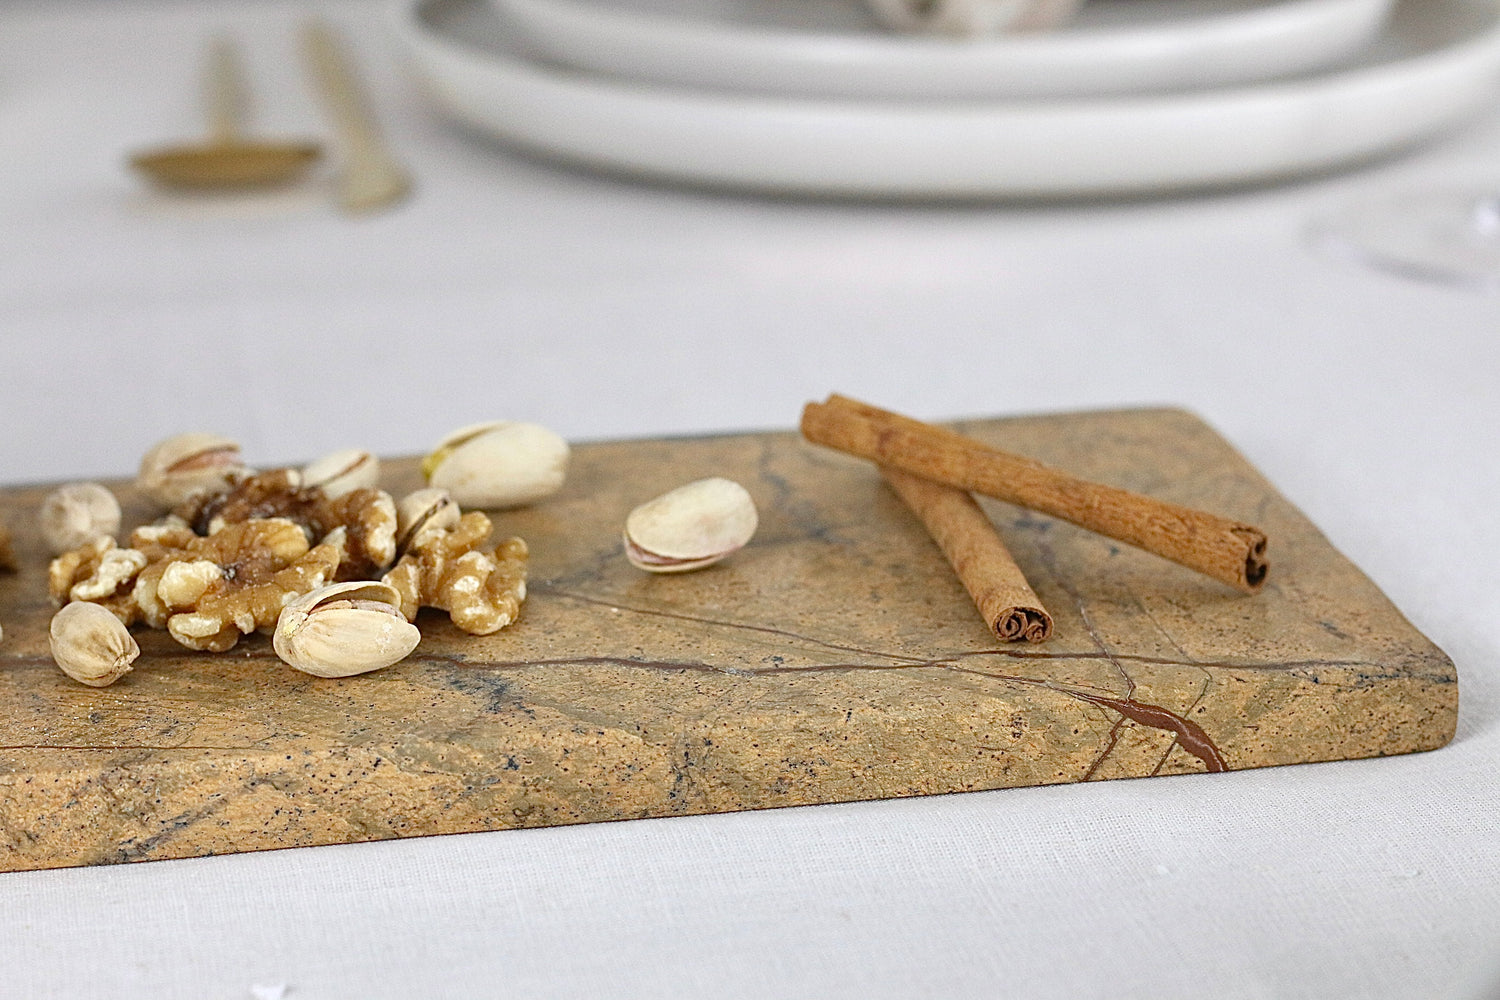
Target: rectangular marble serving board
point(836, 658)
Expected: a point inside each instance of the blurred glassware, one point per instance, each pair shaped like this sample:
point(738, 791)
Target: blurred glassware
point(1446, 236)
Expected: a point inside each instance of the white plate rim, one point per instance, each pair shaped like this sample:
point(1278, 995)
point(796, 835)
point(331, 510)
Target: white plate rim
point(999, 149)
point(1279, 38)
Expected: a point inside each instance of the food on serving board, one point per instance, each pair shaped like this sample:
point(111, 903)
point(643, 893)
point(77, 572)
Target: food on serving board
point(978, 556)
point(91, 645)
point(448, 569)
point(1226, 550)
point(691, 527)
point(184, 464)
point(295, 552)
point(344, 629)
point(498, 465)
point(338, 571)
point(343, 471)
point(76, 514)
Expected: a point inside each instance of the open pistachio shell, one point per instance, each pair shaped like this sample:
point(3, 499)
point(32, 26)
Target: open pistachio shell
point(691, 527)
point(342, 472)
point(184, 464)
point(344, 629)
point(499, 464)
point(422, 511)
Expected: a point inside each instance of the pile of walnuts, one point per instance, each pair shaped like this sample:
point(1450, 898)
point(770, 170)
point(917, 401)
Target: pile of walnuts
point(234, 548)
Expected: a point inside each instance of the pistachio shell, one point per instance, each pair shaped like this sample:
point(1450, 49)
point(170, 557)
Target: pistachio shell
point(422, 511)
point(342, 472)
point(344, 629)
point(691, 527)
point(76, 514)
point(91, 645)
point(498, 465)
point(184, 464)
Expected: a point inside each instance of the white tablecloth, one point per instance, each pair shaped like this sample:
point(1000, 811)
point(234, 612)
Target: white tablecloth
point(603, 308)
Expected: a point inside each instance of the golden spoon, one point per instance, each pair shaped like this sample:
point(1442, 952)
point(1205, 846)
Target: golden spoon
point(227, 159)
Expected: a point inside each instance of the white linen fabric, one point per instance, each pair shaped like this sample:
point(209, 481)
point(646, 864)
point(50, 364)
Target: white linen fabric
point(507, 288)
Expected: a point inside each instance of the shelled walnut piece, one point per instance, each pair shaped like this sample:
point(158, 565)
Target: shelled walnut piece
point(206, 591)
point(232, 583)
point(361, 522)
point(99, 572)
point(445, 568)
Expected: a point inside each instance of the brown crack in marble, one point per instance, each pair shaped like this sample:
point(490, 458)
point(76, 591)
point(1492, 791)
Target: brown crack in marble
point(834, 659)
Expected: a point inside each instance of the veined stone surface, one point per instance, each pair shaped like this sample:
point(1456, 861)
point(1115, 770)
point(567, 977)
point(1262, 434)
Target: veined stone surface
point(835, 658)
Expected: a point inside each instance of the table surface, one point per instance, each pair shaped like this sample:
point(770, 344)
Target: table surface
point(606, 309)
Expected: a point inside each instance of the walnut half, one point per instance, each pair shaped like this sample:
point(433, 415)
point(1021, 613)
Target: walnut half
point(99, 572)
point(447, 569)
point(212, 590)
point(360, 523)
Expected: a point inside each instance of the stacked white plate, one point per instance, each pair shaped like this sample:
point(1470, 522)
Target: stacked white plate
point(810, 96)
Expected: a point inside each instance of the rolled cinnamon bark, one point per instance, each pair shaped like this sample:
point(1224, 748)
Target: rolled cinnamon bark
point(1226, 550)
point(975, 551)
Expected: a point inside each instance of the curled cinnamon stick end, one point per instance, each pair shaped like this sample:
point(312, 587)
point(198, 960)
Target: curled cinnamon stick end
point(983, 564)
point(1030, 624)
point(1226, 550)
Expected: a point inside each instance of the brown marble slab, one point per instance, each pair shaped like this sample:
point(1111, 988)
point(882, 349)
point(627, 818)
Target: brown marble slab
point(835, 659)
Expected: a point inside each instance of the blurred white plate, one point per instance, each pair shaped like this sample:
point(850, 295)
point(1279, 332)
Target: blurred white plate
point(833, 48)
point(1437, 63)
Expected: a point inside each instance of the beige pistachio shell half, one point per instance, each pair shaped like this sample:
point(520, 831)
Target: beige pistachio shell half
point(499, 464)
point(91, 645)
point(343, 471)
point(423, 511)
point(691, 527)
point(74, 515)
point(344, 629)
point(184, 464)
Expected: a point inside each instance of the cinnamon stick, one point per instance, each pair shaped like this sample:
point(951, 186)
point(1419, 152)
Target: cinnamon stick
point(983, 564)
point(1226, 550)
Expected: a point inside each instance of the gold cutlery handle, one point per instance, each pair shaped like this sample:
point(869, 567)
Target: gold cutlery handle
point(224, 91)
point(371, 177)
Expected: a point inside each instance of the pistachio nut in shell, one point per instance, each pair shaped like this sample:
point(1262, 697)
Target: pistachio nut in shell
point(91, 645)
point(499, 464)
point(422, 511)
point(185, 464)
point(343, 471)
point(73, 515)
point(344, 629)
point(691, 527)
